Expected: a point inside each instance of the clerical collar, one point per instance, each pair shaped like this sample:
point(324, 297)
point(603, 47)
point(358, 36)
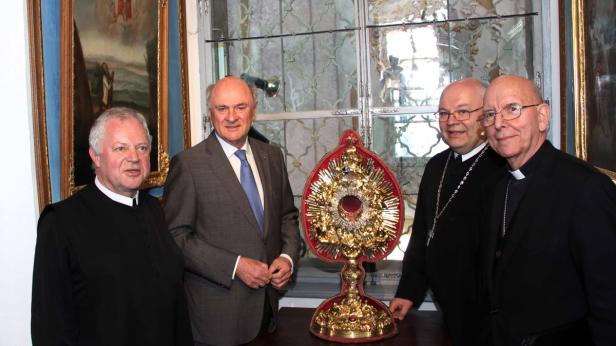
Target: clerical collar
point(116, 197)
point(230, 149)
point(470, 153)
point(517, 174)
point(531, 165)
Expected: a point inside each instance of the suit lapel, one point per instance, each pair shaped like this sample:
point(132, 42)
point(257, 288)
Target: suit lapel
point(225, 174)
point(263, 166)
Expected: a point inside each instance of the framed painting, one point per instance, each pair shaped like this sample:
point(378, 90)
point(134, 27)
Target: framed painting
point(113, 53)
point(594, 69)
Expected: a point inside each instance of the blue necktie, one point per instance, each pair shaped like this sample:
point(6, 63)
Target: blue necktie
point(247, 179)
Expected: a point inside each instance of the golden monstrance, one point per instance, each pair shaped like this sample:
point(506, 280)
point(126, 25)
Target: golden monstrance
point(352, 212)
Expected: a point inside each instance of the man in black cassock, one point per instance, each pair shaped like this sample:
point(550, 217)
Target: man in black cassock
point(106, 271)
point(550, 231)
point(443, 253)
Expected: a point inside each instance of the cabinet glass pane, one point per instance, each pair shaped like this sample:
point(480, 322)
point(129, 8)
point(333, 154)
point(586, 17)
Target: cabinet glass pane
point(410, 11)
point(412, 64)
point(317, 72)
point(304, 142)
point(255, 18)
point(423, 11)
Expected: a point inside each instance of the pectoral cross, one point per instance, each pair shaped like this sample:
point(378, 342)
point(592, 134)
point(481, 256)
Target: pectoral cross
point(430, 235)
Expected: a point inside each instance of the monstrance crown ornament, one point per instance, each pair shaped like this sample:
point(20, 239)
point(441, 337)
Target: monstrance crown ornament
point(352, 212)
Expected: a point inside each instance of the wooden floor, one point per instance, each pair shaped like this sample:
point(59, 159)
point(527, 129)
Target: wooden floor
point(419, 328)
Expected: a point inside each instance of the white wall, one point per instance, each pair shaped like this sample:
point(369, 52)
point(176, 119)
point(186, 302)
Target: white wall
point(551, 68)
point(18, 201)
point(192, 10)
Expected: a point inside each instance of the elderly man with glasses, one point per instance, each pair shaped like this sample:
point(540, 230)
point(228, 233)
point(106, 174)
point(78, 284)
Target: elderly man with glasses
point(550, 230)
point(443, 254)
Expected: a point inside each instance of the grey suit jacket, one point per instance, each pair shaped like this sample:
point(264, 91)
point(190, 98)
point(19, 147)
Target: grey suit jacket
point(210, 218)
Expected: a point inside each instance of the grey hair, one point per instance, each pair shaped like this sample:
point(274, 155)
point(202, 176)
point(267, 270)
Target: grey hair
point(97, 131)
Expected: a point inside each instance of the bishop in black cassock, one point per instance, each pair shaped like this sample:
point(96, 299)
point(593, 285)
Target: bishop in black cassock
point(448, 262)
point(450, 265)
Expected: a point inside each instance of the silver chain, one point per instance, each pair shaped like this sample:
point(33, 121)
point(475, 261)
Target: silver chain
point(505, 208)
point(437, 214)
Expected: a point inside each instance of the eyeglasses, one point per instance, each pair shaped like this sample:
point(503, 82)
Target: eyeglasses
point(460, 114)
point(509, 112)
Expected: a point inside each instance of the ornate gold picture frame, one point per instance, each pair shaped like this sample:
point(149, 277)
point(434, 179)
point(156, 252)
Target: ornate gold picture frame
point(38, 103)
point(594, 89)
point(112, 55)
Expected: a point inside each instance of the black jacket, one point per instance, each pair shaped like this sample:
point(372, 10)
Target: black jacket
point(554, 271)
point(450, 265)
point(107, 274)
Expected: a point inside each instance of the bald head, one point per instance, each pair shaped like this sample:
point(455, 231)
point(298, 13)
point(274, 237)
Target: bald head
point(474, 87)
point(229, 81)
point(517, 139)
point(525, 87)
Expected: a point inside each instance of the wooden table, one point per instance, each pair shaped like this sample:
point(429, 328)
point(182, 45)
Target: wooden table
point(419, 328)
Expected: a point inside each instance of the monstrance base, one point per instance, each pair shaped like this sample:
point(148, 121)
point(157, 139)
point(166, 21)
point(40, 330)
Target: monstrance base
point(359, 320)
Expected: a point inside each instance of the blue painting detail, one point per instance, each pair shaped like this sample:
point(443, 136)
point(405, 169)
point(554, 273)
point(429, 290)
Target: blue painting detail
point(50, 22)
point(176, 132)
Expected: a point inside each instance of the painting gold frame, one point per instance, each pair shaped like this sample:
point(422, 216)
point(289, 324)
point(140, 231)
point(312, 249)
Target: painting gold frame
point(581, 87)
point(38, 103)
point(67, 105)
point(184, 71)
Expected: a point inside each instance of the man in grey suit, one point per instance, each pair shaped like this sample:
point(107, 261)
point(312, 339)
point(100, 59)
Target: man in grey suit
point(229, 207)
